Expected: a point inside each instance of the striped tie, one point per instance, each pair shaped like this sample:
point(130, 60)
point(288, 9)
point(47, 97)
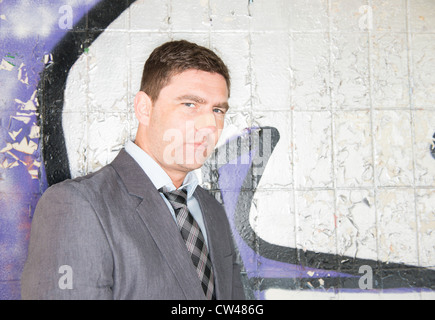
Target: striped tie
point(193, 238)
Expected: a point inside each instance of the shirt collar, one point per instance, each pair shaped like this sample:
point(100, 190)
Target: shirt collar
point(157, 175)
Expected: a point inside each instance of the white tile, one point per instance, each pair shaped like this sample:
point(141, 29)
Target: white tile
point(108, 60)
point(389, 63)
point(424, 122)
point(350, 66)
point(190, 15)
point(356, 224)
point(389, 15)
point(310, 72)
point(422, 15)
point(278, 172)
point(315, 221)
point(393, 147)
point(233, 48)
point(149, 15)
point(423, 49)
point(426, 216)
point(107, 134)
point(397, 226)
point(269, 15)
point(271, 71)
point(312, 150)
point(272, 217)
point(308, 15)
point(75, 94)
point(353, 149)
point(230, 15)
point(351, 15)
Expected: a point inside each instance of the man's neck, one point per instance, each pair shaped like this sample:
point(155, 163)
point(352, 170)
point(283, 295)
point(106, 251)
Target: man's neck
point(177, 177)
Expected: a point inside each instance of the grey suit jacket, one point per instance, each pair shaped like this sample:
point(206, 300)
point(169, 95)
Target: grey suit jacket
point(109, 235)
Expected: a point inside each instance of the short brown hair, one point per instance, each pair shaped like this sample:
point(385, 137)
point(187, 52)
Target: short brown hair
point(175, 57)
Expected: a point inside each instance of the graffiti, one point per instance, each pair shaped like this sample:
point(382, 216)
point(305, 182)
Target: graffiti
point(432, 147)
point(290, 268)
point(51, 97)
point(35, 65)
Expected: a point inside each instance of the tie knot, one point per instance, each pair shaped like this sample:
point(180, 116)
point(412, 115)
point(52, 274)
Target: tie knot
point(176, 196)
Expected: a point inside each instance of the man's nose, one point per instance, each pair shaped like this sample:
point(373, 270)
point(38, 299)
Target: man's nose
point(206, 121)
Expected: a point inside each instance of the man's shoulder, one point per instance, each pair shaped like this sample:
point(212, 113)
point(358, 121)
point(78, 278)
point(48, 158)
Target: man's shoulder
point(84, 185)
point(208, 195)
point(78, 198)
point(209, 198)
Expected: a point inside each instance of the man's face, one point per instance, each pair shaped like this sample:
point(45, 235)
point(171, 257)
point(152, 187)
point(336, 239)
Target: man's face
point(187, 119)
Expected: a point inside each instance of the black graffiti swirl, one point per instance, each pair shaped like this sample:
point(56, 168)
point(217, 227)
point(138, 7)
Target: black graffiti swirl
point(432, 147)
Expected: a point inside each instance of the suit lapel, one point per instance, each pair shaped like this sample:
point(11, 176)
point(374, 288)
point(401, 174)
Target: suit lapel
point(217, 248)
point(160, 224)
point(165, 232)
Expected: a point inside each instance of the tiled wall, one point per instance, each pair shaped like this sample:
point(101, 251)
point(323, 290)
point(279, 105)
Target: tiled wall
point(349, 85)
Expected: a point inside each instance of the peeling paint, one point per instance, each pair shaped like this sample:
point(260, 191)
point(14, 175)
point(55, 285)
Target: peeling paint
point(6, 65)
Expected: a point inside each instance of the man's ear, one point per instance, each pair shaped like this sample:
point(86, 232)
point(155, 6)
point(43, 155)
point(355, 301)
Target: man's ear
point(142, 107)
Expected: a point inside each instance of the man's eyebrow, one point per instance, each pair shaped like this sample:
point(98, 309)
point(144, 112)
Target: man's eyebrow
point(192, 98)
point(224, 105)
point(197, 99)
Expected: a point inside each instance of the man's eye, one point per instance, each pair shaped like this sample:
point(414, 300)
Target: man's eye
point(189, 105)
point(219, 111)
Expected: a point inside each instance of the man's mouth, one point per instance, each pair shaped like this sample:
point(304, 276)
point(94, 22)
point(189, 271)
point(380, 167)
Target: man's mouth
point(200, 144)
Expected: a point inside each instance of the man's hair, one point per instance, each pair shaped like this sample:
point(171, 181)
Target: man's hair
point(175, 57)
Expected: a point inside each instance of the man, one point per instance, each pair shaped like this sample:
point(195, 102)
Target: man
point(141, 227)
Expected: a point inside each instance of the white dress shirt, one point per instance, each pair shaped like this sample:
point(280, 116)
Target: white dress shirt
point(160, 179)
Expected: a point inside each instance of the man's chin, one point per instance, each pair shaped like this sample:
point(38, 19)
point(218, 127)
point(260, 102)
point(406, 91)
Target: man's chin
point(190, 161)
point(191, 165)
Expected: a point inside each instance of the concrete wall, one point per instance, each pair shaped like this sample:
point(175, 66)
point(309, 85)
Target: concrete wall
point(340, 95)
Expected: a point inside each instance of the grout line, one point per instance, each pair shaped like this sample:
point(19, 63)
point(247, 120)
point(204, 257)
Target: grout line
point(412, 114)
point(373, 134)
point(293, 145)
point(333, 132)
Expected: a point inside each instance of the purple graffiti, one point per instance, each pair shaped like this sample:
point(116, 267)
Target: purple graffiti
point(26, 44)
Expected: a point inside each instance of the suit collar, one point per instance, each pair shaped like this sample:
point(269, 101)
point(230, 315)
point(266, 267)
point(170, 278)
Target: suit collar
point(155, 173)
point(131, 174)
